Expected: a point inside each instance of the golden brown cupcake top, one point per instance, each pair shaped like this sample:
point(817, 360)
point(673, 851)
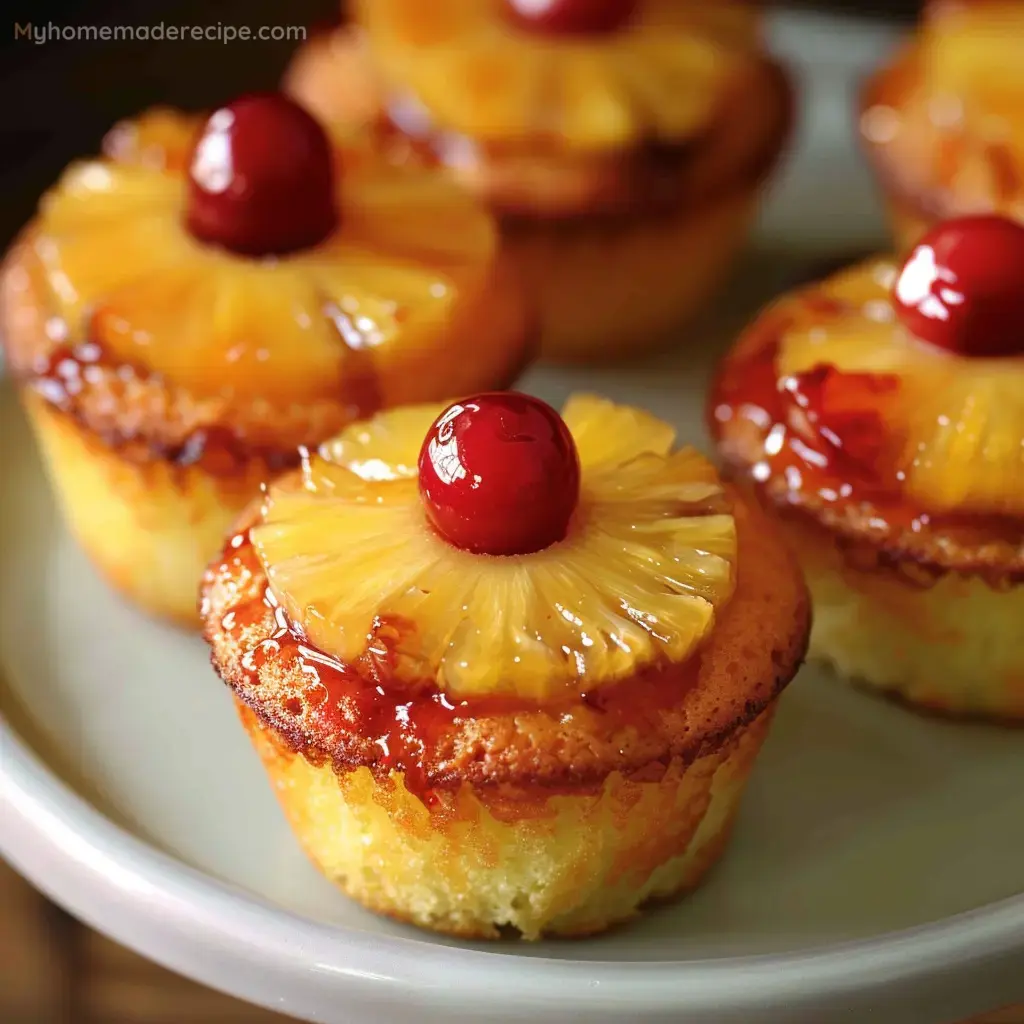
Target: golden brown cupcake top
point(159, 294)
point(352, 540)
point(888, 401)
point(945, 118)
point(350, 613)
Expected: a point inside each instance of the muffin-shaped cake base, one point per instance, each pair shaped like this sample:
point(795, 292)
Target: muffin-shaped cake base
point(612, 288)
point(148, 524)
point(892, 465)
point(558, 819)
point(147, 521)
point(568, 865)
point(936, 639)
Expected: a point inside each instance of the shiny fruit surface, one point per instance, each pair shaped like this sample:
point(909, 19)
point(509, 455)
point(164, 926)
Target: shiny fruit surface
point(499, 474)
point(962, 288)
point(261, 180)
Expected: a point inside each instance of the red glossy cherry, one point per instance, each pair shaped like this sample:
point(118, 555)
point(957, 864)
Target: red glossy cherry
point(573, 17)
point(261, 180)
point(962, 288)
point(499, 474)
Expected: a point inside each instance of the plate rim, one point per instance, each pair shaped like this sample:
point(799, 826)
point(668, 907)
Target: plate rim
point(71, 850)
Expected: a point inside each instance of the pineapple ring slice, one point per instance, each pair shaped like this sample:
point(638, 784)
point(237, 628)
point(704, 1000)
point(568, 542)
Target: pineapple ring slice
point(408, 263)
point(955, 424)
point(479, 75)
point(649, 557)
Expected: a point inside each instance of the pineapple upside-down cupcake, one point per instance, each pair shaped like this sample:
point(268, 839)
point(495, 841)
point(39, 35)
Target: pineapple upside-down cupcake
point(881, 413)
point(505, 668)
point(622, 142)
point(185, 314)
point(943, 123)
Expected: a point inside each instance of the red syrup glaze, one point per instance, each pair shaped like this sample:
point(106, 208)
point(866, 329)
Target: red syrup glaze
point(824, 434)
point(355, 714)
point(820, 431)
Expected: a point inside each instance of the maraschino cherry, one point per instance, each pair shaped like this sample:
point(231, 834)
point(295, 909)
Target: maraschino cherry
point(573, 17)
point(261, 180)
point(499, 474)
point(962, 288)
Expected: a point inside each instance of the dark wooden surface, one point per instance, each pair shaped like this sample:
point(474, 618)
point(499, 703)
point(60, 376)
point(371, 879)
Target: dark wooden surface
point(55, 971)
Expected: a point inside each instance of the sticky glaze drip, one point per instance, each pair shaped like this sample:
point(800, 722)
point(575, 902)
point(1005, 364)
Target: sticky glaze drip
point(820, 435)
point(840, 459)
point(359, 714)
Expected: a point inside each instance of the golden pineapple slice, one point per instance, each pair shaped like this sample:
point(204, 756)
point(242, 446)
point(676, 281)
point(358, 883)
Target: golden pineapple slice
point(376, 449)
point(262, 328)
point(479, 74)
point(648, 558)
point(412, 216)
point(607, 434)
point(94, 195)
point(954, 425)
point(161, 138)
point(394, 300)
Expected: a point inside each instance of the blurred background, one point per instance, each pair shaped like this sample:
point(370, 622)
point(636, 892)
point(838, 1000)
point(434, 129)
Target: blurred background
point(57, 100)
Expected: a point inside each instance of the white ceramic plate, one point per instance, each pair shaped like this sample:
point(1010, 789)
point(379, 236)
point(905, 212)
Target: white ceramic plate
point(877, 866)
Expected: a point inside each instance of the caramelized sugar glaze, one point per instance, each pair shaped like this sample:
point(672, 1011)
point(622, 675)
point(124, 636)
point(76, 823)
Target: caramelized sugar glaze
point(514, 752)
point(540, 177)
point(815, 443)
point(61, 377)
point(538, 174)
point(141, 415)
